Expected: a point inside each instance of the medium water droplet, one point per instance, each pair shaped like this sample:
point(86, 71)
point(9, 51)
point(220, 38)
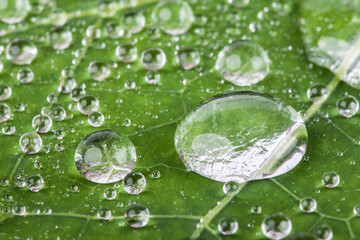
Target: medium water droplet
point(42, 123)
point(347, 106)
point(107, 8)
point(243, 63)
point(77, 93)
point(134, 183)
point(126, 52)
point(21, 51)
point(35, 183)
point(96, 119)
point(356, 210)
point(137, 216)
point(110, 193)
point(73, 188)
point(330, 179)
point(174, 17)
point(113, 30)
point(60, 38)
point(51, 98)
point(231, 188)
point(59, 133)
point(323, 232)
point(99, 70)
point(239, 3)
point(105, 157)
point(67, 84)
point(104, 213)
point(19, 209)
point(308, 204)
point(227, 226)
point(256, 209)
point(153, 58)
point(87, 104)
point(133, 21)
point(58, 17)
point(5, 112)
point(8, 129)
point(30, 143)
point(317, 91)
point(58, 113)
point(276, 226)
point(152, 77)
point(25, 75)
point(241, 136)
point(188, 58)
point(5, 92)
point(12, 11)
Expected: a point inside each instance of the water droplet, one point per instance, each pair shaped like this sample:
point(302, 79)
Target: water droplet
point(21, 51)
point(110, 193)
point(308, 204)
point(51, 98)
point(218, 141)
point(67, 71)
point(174, 17)
point(155, 174)
point(59, 133)
point(8, 129)
point(14, 11)
point(25, 75)
point(153, 58)
point(58, 113)
point(5, 112)
point(347, 106)
point(96, 119)
point(152, 77)
point(134, 21)
point(99, 70)
point(243, 63)
point(130, 84)
point(126, 52)
point(73, 188)
point(113, 30)
point(231, 188)
point(104, 213)
point(330, 179)
point(239, 3)
point(42, 123)
point(134, 183)
point(88, 104)
point(302, 236)
point(30, 143)
point(60, 38)
point(77, 93)
point(35, 183)
point(256, 209)
point(58, 17)
point(107, 8)
point(317, 91)
point(227, 226)
point(19, 209)
point(276, 226)
point(5, 92)
point(188, 58)
point(137, 216)
point(356, 210)
point(323, 232)
point(67, 84)
point(19, 107)
point(105, 157)
point(127, 122)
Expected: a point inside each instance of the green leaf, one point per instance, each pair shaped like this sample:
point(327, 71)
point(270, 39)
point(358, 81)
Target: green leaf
point(182, 204)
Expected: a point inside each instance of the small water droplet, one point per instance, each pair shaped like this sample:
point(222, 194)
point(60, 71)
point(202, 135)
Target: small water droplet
point(330, 179)
point(231, 188)
point(110, 193)
point(58, 113)
point(42, 123)
point(5, 92)
point(8, 129)
point(35, 183)
point(87, 104)
point(77, 93)
point(137, 216)
point(153, 58)
point(5, 112)
point(188, 58)
point(152, 77)
point(323, 232)
point(25, 75)
point(104, 213)
point(99, 70)
point(308, 204)
point(227, 226)
point(19, 209)
point(126, 52)
point(96, 119)
point(347, 106)
point(30, 143)
point(107, 8)
point(134, 183)
point(113, 30)
point(256, 209)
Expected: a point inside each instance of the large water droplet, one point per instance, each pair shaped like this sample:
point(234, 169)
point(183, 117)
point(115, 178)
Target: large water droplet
point(347, 106)
point(96, 119)
point(104, 213)
point(317, 91)
point(134, 21)
point(110, 193)
point(308, 204)
point(227, 226)
point(113, 30)
point(5, 112)
point(60, 38)
point(126, 52)
point(35, 183)
point(241, 136)
point(58, 113)
point(137, 215)
point(153, 58)
point(30, 143)
point(14, 11)
point(21, 51)
point(19, 209)
point(105, 157)
point(87, 104)
point(330, 179)
point(323, 232)
point(173, 17)
point(25, 75)
point(42, 123)
point(276, 226)
point(243, 63)
point(134, 183)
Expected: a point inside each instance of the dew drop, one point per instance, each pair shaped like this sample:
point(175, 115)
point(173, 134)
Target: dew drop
point(113, 30)
point(323, 232)
point(307, 204)
point(25, 75)
point(134, 183)
point(239, 3)
point(356, 210)
point(231, 188)
point(67, 84)
point(19, 209)
point(96, 119)
point(60, 38)
point(59, 133)
point(152, 77)
point(8, 129)
point(127, 122)
point(241, 136)
point(126, 52)
point(42, 123)
point(58, 17)
point(227, 226)
point(21, 52)
point(77, 93)
point(104, 213)
point(347, 106)
point(88, 104)
point(137, 215)
point(99, 70)
point(35, 183)
point(14, 11)
point(105, 157)
point(5, 112)
point(73, 188)
point(130, 84)
point(51, 98)
point(19, 107)
point(110, 193)
point(256, 209)
point(134, 21)
point(155, 174)
point(243, 63)
point(174, 17)
point(317, 91)
point(107, 8)
point(188, 58)
point(153, 58)
point(58, 113)
point(330, 179)
point(5, 92)
point(276, 226)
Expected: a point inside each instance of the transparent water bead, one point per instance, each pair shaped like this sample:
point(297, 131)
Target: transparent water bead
point(231, 187)
point(19, 209)
point(87, 104)
point(134, 183)
point(227, 226)
point(104, 213)
point(99, 70)
point(21, 52)
point(126, 52)
point(188, 58)
point(317, 91)
point(243, 63)
point(35, 183)
point(110, 193)
point(58, 17)
point(58, 113)
point(356, 210)
point(276, 226)
point(113, 30)
point(42, 123)
point(347, 106)
point(174, 17)
point(323, 232)
point(107, 8)
point(152, 77)
point(241, 136)
point(60, 38)
point(77, 93)
point(67, 85)
point(30, 143)
point(134, 21)
point(14, 11)
point(25, 75)
point(5, 112)
point(96, 119)
point(153, 58)
point(239, 3)
point(8, 129)
point(5, 92)
point(308, 204)
point(330, 179)
point(105, 156)
point(137, 215)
